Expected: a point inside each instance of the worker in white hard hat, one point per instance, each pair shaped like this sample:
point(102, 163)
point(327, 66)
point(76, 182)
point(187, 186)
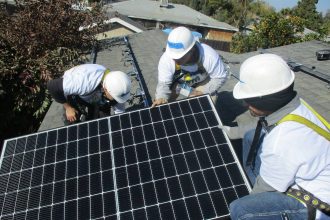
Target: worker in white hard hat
point(189, 68)
point(91, 86)
point(287, 156)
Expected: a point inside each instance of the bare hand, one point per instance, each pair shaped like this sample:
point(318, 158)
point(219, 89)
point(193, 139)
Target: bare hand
point(159, 102)
point(195, 93)
point(71, 114)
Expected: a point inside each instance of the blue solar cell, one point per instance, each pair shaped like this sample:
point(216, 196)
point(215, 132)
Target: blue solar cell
point(61, 136)
point(83, 186)
point(135, 119)
point(96, 206)
point(195, 106)
point(165, 112)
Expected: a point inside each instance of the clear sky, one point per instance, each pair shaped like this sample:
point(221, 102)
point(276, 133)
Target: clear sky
point(322, 5)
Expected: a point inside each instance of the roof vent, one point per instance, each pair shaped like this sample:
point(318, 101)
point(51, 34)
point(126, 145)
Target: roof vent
point(163, 4)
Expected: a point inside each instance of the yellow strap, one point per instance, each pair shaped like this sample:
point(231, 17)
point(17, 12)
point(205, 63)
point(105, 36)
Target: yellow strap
point(289, 194)
point(106, 72)
point(302, 120)
point(326, 124)
point(177, 66)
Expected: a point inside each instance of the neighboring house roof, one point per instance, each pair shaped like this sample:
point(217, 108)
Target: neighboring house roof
point(175, 13)
point(147, 54)
point(115, 17)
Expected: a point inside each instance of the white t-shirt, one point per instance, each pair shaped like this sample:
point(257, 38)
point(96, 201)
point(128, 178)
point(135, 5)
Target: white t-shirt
point(211, 62)
point(83, 80)
point(293, 153)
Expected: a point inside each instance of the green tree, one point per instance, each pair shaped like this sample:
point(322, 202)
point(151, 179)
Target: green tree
point(38, 42)
point(272, 31)
point(326, 20)
point(286, 12)
point(306, 9)
point(260, 8)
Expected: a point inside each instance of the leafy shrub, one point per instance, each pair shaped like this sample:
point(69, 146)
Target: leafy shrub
point(37, 43)
point(272, 31)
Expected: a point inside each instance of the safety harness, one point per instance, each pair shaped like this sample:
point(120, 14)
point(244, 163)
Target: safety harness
point(305, 197)
point(312, 202)
point(183, 76)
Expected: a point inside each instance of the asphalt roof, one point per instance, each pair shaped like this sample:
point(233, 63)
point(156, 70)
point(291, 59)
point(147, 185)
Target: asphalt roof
point(148, 46)
point(175, 13)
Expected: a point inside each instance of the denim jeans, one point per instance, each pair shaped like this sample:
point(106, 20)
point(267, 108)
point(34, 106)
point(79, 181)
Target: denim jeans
point(266, 205)
point(251, 171)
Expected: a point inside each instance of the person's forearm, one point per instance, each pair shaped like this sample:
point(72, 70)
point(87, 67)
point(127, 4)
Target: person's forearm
point(163, 90)
point(214, 85)
point(67, 106)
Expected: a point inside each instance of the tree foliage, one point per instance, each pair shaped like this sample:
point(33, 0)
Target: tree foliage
point(272, 31)
point(327, 22)
point(306, 9)
point(37, 43)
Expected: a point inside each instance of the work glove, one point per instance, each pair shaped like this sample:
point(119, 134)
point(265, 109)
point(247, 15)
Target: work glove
point(232, 132)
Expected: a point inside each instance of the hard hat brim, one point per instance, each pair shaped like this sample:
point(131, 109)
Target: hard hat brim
point(177, 55)
point(244, 91)
point(122, 99)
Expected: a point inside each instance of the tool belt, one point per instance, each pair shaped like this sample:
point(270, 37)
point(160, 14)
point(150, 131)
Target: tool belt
point(311, 201)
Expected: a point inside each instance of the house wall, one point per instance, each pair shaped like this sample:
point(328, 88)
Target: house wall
point(114, 32)
point(219, 35)
point(218, 39)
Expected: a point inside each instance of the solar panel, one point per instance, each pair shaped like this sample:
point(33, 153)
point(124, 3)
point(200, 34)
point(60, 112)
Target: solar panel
point(168, 162)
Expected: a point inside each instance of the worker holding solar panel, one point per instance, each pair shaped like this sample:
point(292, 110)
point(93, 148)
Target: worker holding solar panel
point(189, 68)
point(89, 91)
point(287, 155)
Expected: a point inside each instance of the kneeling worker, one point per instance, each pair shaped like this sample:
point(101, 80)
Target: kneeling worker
point(287, 156)
point(92, 86)
point(189, 68)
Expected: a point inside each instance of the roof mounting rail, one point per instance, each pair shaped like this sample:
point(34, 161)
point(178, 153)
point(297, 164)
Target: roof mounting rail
point(163, 4)
point(143, 87)
point(310, 71)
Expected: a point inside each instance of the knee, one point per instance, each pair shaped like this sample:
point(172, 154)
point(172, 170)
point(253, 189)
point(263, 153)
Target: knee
point(235, 209)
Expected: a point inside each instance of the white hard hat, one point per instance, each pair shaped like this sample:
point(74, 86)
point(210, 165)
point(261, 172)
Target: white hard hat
point(118, 84)
point(179, 42)
point(261, 75)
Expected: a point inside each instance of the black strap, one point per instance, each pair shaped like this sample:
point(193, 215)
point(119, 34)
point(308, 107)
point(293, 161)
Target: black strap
point(311, 201)
point(79, 104)
point(256, 142)
point(176, 79)
point(178, 74)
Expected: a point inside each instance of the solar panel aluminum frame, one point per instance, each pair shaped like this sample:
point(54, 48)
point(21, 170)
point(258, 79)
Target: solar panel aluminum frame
point(231, 147)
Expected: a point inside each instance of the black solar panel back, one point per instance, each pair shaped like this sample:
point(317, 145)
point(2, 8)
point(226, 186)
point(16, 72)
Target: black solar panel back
point(168, 162)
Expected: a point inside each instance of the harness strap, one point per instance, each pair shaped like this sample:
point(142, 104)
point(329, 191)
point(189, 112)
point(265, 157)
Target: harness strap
point(308, 123)
point(297, 118)
point(326, 124)
point(256, 143)
point(311, 201)
point(106, 72)
point(179, 72)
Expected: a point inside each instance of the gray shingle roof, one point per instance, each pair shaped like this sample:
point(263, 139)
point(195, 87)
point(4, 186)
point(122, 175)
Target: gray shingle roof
point(148, 47)
point(311, 89)
point(176, 13)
